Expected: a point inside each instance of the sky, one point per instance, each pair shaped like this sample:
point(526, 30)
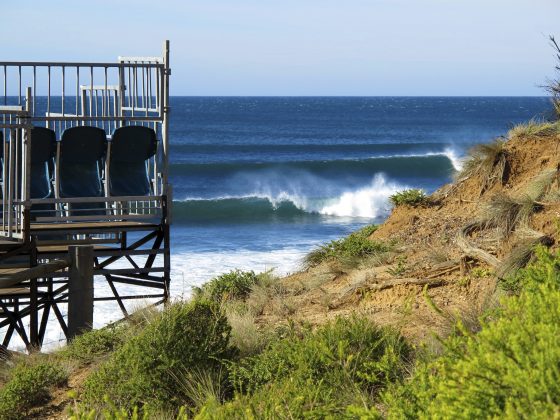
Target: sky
point(303, 47)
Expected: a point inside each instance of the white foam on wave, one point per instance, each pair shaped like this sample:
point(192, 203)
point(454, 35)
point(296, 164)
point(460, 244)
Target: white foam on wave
point(196, 268)
point(456, 160)
point(449, 152)
point(371, 201)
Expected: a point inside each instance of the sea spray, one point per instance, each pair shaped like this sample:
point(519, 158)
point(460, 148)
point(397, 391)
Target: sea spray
point(371, 201)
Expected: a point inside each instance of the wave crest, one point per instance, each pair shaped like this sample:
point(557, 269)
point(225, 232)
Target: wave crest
point(370, 201)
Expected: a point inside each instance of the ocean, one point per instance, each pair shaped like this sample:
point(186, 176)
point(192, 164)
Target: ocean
point(260, 181)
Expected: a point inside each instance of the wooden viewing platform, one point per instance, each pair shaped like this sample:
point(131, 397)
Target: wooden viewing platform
point(84, 158)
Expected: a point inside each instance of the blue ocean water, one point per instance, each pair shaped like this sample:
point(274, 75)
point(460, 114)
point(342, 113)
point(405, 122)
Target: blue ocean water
point(260, 181)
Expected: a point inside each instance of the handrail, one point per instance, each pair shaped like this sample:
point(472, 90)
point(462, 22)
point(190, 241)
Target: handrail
point(41, 270)
point(79, 64)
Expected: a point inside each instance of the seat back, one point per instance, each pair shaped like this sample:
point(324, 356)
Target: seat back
point(82, 150)
point(43, 150)
point(2, 158)
point(131, 147)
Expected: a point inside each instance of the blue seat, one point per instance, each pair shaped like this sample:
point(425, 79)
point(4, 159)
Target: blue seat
point(131, 147)
point(2, 158)
point(82, 151)
point(43, 150)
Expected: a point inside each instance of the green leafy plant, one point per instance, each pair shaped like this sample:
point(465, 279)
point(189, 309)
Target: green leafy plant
point(347, 349)
point(143, 370)
point(94, 344)
point(355, 245)
point(318, 374)
point(29, 386)
point(412, 197)
point(236, 284)
point(400, 268)
point(508, 370)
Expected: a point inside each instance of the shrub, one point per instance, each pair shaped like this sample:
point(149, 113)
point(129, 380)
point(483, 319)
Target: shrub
point(91, 345)
point(411, 197)
point(288, 399)
point(509, 369)
point(332, 373)
point(355, 245)
point(319, 374)
point(236, 284)
point(144, 370)
point(112, 412)
point(28, 387)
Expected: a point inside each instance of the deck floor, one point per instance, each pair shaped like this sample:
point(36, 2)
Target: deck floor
point(97, 226)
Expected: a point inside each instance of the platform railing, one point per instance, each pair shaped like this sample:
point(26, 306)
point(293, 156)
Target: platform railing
point(60, 95)
point(15, 128)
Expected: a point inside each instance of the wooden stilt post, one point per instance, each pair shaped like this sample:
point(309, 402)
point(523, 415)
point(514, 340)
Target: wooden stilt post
point(80, 290)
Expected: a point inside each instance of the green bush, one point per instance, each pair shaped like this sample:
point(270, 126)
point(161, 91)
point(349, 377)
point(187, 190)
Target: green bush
point(289, 399)
point(236, 284)
point(355, 245)
point(411, 197)
point(91, 345)
point(511, 368)
point(316, 374)
point(147, 368)
point(28, 387)
point(112, 412)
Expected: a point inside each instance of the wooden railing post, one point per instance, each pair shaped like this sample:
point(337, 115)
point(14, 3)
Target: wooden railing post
point(80, 290)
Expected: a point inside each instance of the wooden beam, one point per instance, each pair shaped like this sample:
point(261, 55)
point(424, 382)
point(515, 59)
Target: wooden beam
point(12, 277)
point(80, 290)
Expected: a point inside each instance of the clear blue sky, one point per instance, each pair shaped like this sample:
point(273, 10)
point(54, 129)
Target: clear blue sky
point(303, 47)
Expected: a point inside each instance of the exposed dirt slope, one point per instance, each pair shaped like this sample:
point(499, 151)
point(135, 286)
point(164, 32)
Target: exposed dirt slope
point(460, 267)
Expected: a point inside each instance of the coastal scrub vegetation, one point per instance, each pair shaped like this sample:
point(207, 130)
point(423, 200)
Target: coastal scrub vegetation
point(236, 284)
point(509, 369)
point(95, 344)
point(534, 128)
point(28, 386)
point(185, 336)
point(316, 373)
point(182, 363)
point(345, 250)
point(412, 197)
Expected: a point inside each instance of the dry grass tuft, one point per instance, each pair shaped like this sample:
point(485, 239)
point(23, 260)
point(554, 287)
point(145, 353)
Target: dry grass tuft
point(534, 128)
point(489, 162)
point(540, 186)
point(245, 333)
point(201, 386)
point(521, 255)
point(505, 213)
